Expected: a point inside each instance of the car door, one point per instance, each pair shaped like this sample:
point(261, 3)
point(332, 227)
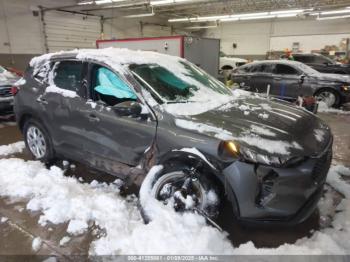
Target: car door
point(285, 82)
point(62, 99)
point(261, 77)
point(115, 137)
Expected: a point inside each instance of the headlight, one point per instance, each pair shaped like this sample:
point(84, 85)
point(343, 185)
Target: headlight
point(231, 149)
point(345, 88)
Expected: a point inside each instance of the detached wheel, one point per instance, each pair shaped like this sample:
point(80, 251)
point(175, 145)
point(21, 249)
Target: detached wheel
point(185, 193)
point(328, 96)
point(37, 141)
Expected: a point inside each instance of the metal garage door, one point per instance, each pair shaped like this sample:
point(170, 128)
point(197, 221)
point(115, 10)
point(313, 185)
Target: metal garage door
point(65, 31)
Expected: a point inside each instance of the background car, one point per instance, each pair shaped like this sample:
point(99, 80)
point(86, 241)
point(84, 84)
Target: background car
point(290, 79)
point(229, 63)
point(322, 63)
point(7, 79)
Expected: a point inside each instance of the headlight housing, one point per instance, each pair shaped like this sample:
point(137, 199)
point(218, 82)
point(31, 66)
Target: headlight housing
point(345, 88)
point(231, 149)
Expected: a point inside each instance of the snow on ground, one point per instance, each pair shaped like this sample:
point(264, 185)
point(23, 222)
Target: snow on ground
point(64, 199)
point(13, 148)
point(323, 108)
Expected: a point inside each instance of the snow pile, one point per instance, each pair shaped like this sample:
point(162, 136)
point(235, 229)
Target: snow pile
point(323, 108)
point(52, 88)
point(63, 200)
point(36, 244)
point(17, 147)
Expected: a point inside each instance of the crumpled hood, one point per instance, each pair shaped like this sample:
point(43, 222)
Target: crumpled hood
point(268, 126)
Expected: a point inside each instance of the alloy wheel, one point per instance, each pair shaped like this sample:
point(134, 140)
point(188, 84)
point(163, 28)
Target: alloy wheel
point(327, 97)
point(36, 142)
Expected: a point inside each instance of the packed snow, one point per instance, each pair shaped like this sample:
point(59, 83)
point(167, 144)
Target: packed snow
point(62, 199)
point(13, 148)
point(36, 244)
point(323, 108)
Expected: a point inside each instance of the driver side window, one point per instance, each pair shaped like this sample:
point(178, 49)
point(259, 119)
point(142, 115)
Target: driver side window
point(109, 88)
point(285, 70)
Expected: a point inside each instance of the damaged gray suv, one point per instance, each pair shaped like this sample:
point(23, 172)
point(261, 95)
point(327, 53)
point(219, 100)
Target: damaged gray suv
point(124, 112)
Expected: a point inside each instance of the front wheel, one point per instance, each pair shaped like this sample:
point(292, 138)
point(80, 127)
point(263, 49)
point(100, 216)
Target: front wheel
point(329, 97)
point(185, 193)
point(37, 141)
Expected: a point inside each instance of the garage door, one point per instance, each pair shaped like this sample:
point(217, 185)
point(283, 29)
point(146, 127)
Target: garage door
point(67, 31)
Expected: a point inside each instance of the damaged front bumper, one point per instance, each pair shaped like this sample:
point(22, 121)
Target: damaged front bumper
point(265, 194)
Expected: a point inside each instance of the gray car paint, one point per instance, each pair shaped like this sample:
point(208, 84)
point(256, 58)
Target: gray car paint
point(291, 86)
point(114, 139)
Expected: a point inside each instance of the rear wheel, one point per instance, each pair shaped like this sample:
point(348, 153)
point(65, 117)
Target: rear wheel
point(37, 141)
point(329, 97)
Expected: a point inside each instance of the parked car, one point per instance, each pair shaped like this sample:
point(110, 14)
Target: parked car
point(7, 79)
point(124, 112)
point(290, 79)
point(229, 63)
point(322, 63)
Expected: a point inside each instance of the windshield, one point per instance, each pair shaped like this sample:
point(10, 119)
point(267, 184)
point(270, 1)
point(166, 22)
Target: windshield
point(183, 82)
point(307, 69)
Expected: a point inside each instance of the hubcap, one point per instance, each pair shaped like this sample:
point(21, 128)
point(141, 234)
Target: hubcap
point(327, 97)
point(36, 142)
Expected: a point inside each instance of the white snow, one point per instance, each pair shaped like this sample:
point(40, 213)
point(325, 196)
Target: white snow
point(20, 82)
point(64, 92)
point(204, 128)
point(13, 148)
point(323, 108)
point(62, 199)
point(64, 240)
point(77, 227)
point(319, 134)
point(195, 151)
point(36, 244)
point(3, 219)
point(260, 130)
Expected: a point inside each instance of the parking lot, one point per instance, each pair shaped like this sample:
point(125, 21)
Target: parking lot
point(22, 234)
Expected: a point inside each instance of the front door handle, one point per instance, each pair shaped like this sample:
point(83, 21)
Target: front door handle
point(93, 118)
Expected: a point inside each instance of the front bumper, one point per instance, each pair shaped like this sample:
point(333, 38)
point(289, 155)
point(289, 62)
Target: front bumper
point(266, 194)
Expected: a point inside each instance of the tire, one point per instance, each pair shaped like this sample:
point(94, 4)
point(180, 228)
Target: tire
point(166, 187)
point(329, 96)
point(38, 141)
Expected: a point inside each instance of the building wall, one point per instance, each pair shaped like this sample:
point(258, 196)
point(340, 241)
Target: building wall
point(254, 39)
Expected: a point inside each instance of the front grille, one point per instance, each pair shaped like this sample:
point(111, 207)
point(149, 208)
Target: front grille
point(321, 167)
point(5, 92)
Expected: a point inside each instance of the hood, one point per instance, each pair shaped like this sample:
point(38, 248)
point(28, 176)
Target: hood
point(266, 126)
point(334, 78)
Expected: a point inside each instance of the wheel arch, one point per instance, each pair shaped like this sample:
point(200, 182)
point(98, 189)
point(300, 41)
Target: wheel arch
point(213, 173)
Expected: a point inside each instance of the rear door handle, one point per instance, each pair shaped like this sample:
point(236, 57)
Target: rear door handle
point(93, 118)
point(42, 100)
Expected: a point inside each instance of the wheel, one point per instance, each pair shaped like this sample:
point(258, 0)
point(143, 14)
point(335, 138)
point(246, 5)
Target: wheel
point(328, 96)
point(186, 193)
point(38, 141)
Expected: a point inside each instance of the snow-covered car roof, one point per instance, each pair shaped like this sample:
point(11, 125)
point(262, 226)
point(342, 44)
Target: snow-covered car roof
point(112, 56)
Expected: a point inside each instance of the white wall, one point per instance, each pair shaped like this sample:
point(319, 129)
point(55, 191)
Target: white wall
point(256, 38)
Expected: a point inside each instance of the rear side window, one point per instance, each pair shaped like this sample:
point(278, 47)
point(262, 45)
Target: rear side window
point(285, 70)
point(68, 75)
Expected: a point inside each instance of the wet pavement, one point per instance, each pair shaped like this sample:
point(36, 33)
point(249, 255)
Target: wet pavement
point(21, 227)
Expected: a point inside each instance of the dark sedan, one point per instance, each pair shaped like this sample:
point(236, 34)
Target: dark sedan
point(290, 79)
point(322, 64)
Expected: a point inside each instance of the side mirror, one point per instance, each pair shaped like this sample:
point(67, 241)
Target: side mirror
point(128, 108)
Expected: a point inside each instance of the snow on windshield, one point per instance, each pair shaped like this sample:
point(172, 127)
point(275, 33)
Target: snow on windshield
point(204, 98)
